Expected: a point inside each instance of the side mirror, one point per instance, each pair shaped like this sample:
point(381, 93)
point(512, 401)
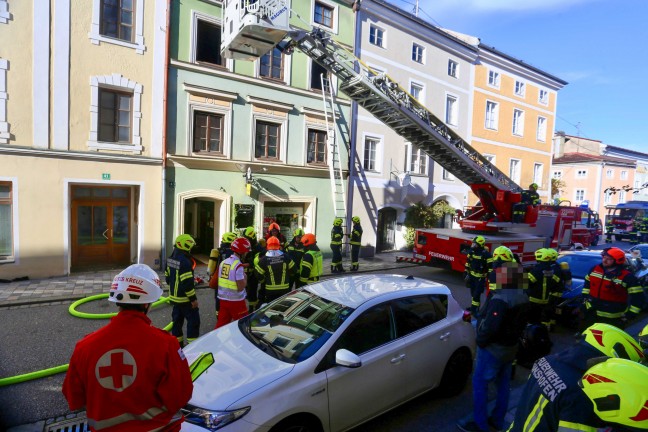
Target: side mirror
point(347, 359)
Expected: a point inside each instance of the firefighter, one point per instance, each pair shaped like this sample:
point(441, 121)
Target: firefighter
point(295, 251)
point(478, 263)
point(129, 367)
point(634, 232)
point(232, 283)
point(643, 339)
point(611, 293)
point(529, 197)
point(310, 269)
point(275, 269)
point(643, 230)
point(609, 231)
point(252, 278)
point(551, 399)
point(223, 252)
point(546, 285)
point(336, 246)
point(355, 241)
point(616, 391)
point(182, 294)
point(275, 231)
point(501, 254)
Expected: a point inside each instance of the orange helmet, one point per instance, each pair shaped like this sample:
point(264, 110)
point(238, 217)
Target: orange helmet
point(616, 254)
point(273, 243)
point(308, 239)
point(274, 225)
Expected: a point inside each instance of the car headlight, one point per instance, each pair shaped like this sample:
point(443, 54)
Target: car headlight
point(212, 420)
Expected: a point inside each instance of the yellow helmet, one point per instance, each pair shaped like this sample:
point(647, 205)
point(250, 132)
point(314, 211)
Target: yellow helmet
point(480, 240)
point(355, 219)
point(337, 222)
point(613, 342)
point(298, 232)
point(643, 338)
point(185, 242)
point(553, 254)
point(502, 253)
point(249, 233)
point(228, 237)
point(617, 389)
point(533, 186)
point(542, 255)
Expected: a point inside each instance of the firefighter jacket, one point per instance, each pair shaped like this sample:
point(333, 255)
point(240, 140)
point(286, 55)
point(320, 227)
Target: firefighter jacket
point(253, 257)
point(224, 252)
point(478, 262)
point(502, 323)
point(613, 292)
point(336, 235)
point(311, 265)
point(552, 400)
point(356, 235)
point(295, 252)
point(546, 280)
point(129, 376)
point(180, 277)
point(609, 227)
point(530, 197)
point(275, 268)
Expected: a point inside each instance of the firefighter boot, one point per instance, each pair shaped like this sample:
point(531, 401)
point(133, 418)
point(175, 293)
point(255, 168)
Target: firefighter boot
point(333, 268)
point(340, 269)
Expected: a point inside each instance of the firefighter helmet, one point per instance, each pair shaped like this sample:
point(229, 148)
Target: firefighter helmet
point(337, 222)
point(533, 186)
point(553, 254)
point(542, 255)
point(616, 254)
point(355, 219)
point(480, 240)
point(249, 233)
point(613, 342)
point(643, 338)
point(137, 284)
point(298, 232)
point(273, 243)
point(617, 389)
point(274, 225)
point(185, 242)
point(308, 239)
point(228, 237)
point(502, 253)
point(241, 245)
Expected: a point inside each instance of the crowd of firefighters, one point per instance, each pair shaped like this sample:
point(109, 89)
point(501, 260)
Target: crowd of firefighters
point(638, 233)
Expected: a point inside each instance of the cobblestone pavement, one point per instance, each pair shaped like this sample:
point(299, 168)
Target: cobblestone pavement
point(80, 285)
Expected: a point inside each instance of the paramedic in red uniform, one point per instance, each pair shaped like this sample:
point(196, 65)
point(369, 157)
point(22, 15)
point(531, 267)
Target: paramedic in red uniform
point(129, 375)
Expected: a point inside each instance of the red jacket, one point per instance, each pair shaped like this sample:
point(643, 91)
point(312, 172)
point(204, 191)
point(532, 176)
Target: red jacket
point(613, 291)
point(130, 376)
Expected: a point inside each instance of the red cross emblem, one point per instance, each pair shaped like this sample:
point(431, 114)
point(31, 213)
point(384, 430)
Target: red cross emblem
point(116, 370)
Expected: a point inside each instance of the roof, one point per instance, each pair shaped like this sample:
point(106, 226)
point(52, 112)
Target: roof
point(592, 158)
point(611, 148)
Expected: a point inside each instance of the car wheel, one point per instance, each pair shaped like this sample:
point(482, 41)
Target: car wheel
point(456, 373)
point(297, 424)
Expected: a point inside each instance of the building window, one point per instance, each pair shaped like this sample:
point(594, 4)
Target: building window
point(316, 77)
point(518, 122)
point(447, 175)
point(5, 16)
point(266, 143)
point(624, 175)
point(622, 197)
point(537, 173)
point(520, 88)
point(208, 41)
point(541, 133)
point(609, 173)
point(323, 14)
point(543, 97)
point(208, 132)
point(491, 115)
point(416, 160)
point(119, 22)
point(271, 65)
point(416, 90)
point(514, 170)
point(580, 195)
point(607, 198)
point(453, 68)
point(376, 36)
point(452, 110)
point(417, 53)
point(581, 174)
point(6, 220)
point(370, 152)
point(557, 175)
point(114, 116)
point(316, 147)
point(493, 79)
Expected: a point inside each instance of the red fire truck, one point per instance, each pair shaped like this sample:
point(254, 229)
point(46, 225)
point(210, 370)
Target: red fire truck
point(623, 216)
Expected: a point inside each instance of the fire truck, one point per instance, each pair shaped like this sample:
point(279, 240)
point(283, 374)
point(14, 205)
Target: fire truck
point(253, 27)
point(623, 215)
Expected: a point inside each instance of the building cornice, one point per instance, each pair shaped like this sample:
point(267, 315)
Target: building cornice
point(504, 61)
point(86, 156)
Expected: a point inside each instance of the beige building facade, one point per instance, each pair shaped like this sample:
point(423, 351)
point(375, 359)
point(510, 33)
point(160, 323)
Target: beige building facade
point(81, 136)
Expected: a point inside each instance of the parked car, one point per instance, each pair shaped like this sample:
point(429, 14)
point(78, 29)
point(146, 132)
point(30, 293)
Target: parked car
point(330, 356)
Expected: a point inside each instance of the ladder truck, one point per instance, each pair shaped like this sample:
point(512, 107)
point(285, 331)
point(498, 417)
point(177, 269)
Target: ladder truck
point(251, 28)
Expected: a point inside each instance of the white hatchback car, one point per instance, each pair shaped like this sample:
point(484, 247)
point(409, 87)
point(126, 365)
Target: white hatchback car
point(330, 356)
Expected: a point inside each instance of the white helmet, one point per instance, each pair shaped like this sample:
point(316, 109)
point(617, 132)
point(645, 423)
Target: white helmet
point(137, 284)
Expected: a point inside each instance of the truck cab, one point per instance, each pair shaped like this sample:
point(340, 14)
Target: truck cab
point(623, 215)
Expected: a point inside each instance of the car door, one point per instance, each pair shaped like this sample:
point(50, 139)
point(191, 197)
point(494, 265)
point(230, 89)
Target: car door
point(357, 394)
point(426, 340)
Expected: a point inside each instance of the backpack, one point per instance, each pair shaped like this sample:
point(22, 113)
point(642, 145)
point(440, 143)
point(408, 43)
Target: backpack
point(534, 344)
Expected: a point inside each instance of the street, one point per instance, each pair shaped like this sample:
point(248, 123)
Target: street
point(43, 336)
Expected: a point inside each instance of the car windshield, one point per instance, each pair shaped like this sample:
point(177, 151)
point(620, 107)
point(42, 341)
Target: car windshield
point(295, 326)
point(580, 265)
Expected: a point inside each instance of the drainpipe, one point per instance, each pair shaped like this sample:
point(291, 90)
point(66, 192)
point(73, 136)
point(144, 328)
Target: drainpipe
point(164, 137)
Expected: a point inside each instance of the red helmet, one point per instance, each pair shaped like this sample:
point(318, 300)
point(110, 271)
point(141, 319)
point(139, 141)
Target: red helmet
point(241, 245)
point(616, 254)
point(274, 225)
point(308, 239)
point(273, 243)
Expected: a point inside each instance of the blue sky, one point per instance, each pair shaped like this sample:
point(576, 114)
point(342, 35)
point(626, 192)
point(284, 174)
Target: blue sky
point(598, 46)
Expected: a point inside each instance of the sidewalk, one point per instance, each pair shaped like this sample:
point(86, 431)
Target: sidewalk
point(80, 285)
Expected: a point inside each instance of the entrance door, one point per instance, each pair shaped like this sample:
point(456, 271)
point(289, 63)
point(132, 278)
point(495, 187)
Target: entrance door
point(386, 240)
point(100, 231)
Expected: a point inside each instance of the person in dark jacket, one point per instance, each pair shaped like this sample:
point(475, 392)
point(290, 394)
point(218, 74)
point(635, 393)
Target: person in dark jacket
point(498, 331)
point(530, 197)
point(355, 240)
point(179, 276)
point(478, 263)
point(546, 285)
point(295, 251)
point(310, 269)
point(336, 246)
point(552, 399)
point(257, 250)
point(274, 268)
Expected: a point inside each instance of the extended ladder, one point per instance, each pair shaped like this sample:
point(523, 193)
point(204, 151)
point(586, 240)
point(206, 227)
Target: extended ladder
point(333, 151)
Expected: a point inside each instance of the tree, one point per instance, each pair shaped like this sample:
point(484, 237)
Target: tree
point(557, 187)
point(423, 216)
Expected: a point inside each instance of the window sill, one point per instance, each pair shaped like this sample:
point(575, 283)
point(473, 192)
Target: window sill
point(94, 145)
point(7, 260)
point(98, 38)
point(206, 154)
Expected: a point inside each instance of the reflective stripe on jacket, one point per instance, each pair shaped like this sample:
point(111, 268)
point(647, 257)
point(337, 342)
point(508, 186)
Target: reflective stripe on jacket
point(227, 280)
point(275, 269)
point(180, 277)
point(336, 235)
point(609, 291)
point(311, 266)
